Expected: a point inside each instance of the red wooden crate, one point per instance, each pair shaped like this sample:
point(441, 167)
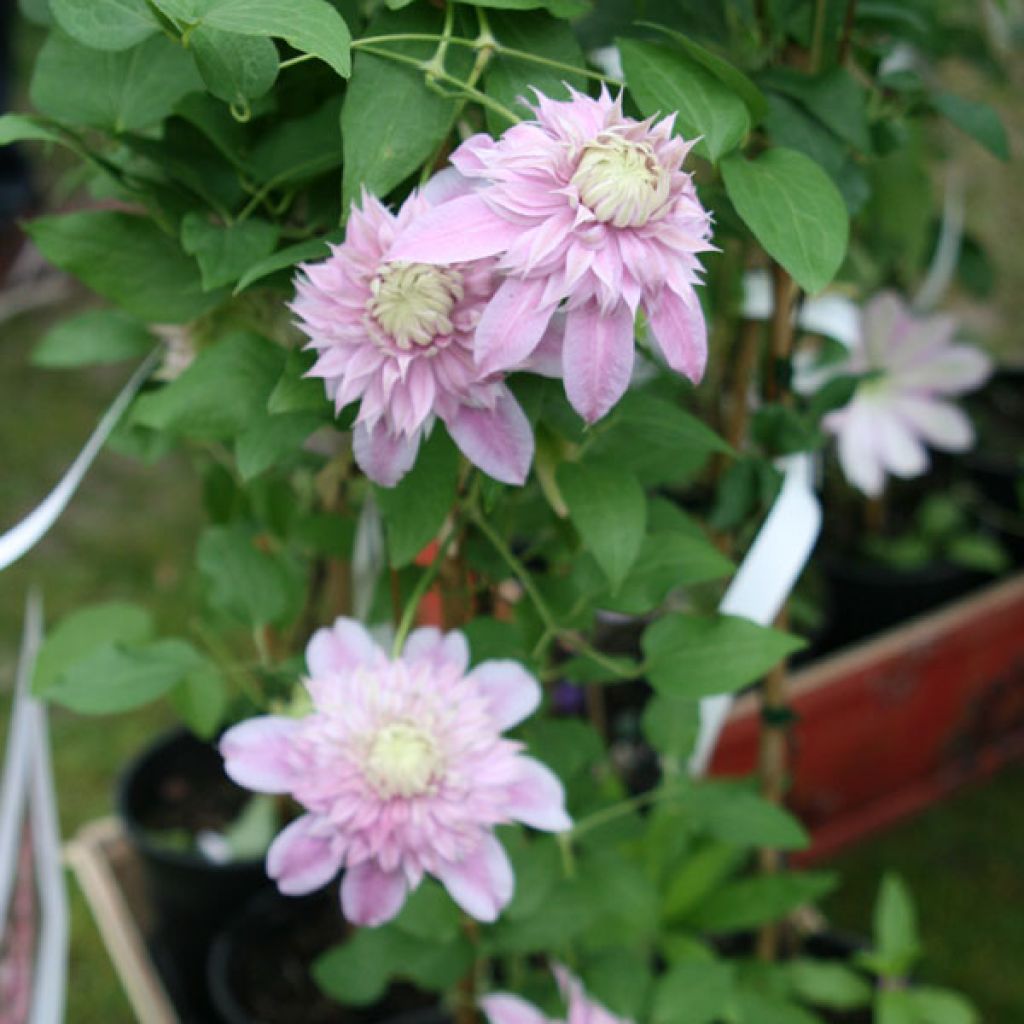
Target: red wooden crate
point(893, 724)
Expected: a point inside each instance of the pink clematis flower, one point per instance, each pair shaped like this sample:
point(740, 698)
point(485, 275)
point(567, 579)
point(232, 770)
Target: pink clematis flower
point(505, 1008)
point(903, 406)
point(398, 337)
point(402, 770)
point(591, 207)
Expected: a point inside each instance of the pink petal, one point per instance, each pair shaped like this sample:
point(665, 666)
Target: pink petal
point(441, 649)
point(505, 1008)
point(512, 325)
point(678, 328)
point(546, 358)
point(512, 693)
point(458, 231)
point(939, 423)
point(384, 457)
point(258, 753)
point(482, 883)
point(598, 359)
point(498, 440)
point(537, 798)
point(341, 648)
point(444, 186)
point(901, 452)
point(952, 371)
point(300, 860)
point(858, 453)
point(370, 896)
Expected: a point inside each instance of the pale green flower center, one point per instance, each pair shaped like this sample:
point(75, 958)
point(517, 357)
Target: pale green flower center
point(413, 302)
point(621, 182)
point(403, 761)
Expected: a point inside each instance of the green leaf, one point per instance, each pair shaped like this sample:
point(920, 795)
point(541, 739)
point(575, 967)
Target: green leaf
point(391, 123)
point(299, 148)
point(105, 24)
point(221, 393)
point(415, 509)
point(620, 980)
point(702, 871)
point(285, 259)
point(608, 508)
point(224, 252)
point(249, 835)
point(113, 679)
point(128, 260)
point(735, 814)
point(940, 1006)
point(94, 337)
point(244, 581)
point(978, 120)
point(979, 551)
point(663, 81)
point(671, 725)
point(235, 68)
point(295, 392)
point(429, 914)
point(693, 656)
point(832, 985)
point(201, 700)
point(729, 75)
point(82, 632)
point(756, 1006)
point(894, 1006)
point(698, 992)
point(123, 91)
point(754, 901)
point(794, 211)
point(509, 79)
point(834, 97)
point(269, 440)
point(895, 927)
point(26, 128)
point(311, 26)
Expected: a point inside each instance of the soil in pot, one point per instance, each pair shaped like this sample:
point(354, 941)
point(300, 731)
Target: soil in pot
point(174, 791)
point(259, 969)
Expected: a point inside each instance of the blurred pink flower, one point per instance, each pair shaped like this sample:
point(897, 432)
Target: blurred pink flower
point(402, 770)
point(504, 1008)
point(398, 336)
point(589, 206)
point(903, 406)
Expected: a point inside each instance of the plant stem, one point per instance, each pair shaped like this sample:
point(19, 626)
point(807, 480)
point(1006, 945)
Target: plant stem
point(423, 584)
point(624, 807)
point(847, 38)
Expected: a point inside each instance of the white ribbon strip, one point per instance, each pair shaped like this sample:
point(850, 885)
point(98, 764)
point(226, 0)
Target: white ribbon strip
point(25, 535)
point(764, 580)
point(28, 780)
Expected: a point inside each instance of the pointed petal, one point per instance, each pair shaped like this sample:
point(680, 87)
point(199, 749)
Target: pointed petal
point(258, 753)
point(300, 860)
point(482, 883)
point(939, 423)
point(678, 328)
point(441, 649)
point(858, 454)
point(384, 457)
point(902, 453)
point(537, 798)
point(505, 1008)
point(546, 358)
point(370, 896)
point(498, 440)
point(458, 231)
point(512, 324)
point(952, 371)
point(446, 185)
point(512, 693)
point(598, 358)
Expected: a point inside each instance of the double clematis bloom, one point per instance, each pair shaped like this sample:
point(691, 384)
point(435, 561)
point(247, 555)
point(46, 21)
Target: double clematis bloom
point(590, 207)
point(914, 367)
point(398, 337)
point(505, 1008)
point(402, 771)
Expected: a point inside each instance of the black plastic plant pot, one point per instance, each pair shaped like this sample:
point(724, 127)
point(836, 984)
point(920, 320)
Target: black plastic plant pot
point(865, 598)
point(259, 968)
point(175, 787)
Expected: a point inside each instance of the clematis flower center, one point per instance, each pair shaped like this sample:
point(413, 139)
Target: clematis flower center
point(403, 761)
point(413, 302)
point(620, 181)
